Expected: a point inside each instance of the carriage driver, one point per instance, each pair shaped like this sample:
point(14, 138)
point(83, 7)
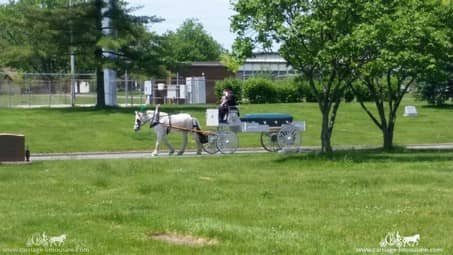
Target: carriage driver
point(227, 102)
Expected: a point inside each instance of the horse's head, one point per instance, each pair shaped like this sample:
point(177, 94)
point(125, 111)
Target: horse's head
point(138, 121)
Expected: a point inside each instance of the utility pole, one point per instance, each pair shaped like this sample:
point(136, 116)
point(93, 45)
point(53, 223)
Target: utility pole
point(109, 74)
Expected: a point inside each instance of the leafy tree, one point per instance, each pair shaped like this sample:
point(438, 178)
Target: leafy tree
point(399, 43)
point(232, 63)
point(27, 38)
point(191, 42)
point(437, 86)
point(311, 35)
point(39, 36)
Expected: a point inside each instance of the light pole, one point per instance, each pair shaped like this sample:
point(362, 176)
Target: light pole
point(72, 63)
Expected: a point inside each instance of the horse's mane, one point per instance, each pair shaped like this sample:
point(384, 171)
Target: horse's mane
point(152, 112)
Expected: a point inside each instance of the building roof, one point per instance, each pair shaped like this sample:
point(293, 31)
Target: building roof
point(208, 64)
point(266, 57)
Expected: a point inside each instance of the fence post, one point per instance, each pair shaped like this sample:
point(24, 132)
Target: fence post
point(126, 88)
point(50, 92)
point(73, 94)
point(9, 93)
point(29, 94)
point(132, 93)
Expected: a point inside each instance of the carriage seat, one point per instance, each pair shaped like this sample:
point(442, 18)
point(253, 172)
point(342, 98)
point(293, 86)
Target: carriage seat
point(271, 119)
point(232, 115)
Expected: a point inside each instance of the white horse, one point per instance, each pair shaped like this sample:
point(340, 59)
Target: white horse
point(411, 240)
point(57, 240)
point(163, 123)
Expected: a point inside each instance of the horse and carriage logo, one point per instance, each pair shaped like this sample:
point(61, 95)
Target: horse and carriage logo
point(42, 240)
point(393, 239)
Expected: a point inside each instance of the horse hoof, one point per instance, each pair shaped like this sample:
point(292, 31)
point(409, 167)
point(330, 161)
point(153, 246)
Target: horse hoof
point(180, 153)
point(154, 154)
point(198, 152)
point(171, 153)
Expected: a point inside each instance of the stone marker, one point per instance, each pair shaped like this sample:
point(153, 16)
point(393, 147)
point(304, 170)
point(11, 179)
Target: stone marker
point(410, 111)
point(12, 148)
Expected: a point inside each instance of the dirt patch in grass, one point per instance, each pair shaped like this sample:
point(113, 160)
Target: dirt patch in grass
point(178, 239)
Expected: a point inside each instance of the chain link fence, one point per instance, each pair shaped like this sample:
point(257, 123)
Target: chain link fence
point(47, 90)
point(65, 90)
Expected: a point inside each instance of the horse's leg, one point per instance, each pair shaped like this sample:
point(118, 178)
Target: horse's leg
point(161, 134)
point(156, 149)
point(184, 143)
point(196, 137)
point(171, 150)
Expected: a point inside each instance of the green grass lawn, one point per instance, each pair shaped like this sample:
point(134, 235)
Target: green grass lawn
point(88, 129)
point(250, 204)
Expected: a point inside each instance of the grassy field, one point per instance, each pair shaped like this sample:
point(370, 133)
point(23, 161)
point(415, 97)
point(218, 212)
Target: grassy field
point(265, 204)
point(88, 129)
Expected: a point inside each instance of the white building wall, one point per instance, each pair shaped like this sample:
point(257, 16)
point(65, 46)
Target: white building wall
point(271, 63)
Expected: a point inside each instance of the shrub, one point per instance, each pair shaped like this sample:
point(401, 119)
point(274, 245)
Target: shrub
point(259, 91)
point(234, 84)
point(307, 92)
point(433, 93)
point(289, 90)
point(286, 94)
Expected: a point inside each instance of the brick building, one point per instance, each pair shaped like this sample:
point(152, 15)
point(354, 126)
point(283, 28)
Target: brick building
point(212, 71)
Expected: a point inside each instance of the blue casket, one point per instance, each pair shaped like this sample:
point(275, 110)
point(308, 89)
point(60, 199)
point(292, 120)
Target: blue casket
point(269, 119)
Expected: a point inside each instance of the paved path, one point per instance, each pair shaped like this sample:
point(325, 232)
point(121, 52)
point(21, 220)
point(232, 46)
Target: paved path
point(147, 154)
point(120, 155)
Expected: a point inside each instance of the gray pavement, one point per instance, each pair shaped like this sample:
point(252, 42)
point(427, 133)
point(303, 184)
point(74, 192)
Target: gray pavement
point(164, 154)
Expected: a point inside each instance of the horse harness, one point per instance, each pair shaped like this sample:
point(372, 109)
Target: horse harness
point(156, 121)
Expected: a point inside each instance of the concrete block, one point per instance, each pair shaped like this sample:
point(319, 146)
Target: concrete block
point(12, 148)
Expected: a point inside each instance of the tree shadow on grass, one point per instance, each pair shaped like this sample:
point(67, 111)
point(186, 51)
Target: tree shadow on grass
point(439, 107)
point(399, 155)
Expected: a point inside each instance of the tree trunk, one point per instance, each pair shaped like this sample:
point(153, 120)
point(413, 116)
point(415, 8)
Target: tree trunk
point(388, 139)
point(100, 87)
point(388, 133)
point(326, 133)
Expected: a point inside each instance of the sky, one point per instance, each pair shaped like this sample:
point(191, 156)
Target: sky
point(213, 14)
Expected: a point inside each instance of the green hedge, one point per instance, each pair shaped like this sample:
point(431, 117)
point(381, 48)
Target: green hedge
point(260, 90)
point(290, 90)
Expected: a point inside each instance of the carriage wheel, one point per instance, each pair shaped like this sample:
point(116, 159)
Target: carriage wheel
point(288, 137)
point(269, 141)
point(227, 142)
point(211, 146)
point(223, 127)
